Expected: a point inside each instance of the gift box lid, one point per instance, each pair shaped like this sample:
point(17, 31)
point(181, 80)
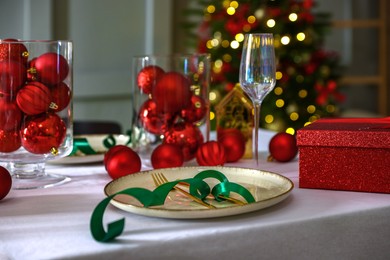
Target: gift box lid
point(346, 132)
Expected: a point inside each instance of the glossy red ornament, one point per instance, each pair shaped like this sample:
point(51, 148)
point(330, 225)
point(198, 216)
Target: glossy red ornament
point(187, 136)
point(40, 134)
point(10, 115)
point(233, 141)
point(283, 147)
point(5, 182)
point(60, 97)
point(195, 111)
point(12, 50)
point(9, 141)
point(34, 98)
point(172, 92)
point(148, 77)
point(50, 68)
point(12, 77)
point(120, 161)
point(211, 153)
point(153, 121)
point(167, 156)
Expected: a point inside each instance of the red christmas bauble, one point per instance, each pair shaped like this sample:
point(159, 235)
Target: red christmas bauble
point(172, 92)
point(10, 115)
point(34, 98)
point(12, 50)
point(167, 156)
point(12, 77)
point(60, 96)
point(5, 182)
point(148, 77)
point(120, 161)
point(283, 147)
point(9, 141)
point(153, 121)
point(40, 134)
point(233, 141)
point(50, 68)
point(195, 111)
point(187, 136)
point(211, 153)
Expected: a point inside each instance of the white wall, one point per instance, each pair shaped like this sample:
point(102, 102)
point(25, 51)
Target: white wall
point(106, 34)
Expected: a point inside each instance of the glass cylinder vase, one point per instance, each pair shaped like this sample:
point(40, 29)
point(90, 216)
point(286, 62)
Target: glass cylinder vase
point(170, 103)
point(35, 109)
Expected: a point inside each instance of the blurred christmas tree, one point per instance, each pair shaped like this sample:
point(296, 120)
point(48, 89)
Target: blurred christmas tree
point(307, 75)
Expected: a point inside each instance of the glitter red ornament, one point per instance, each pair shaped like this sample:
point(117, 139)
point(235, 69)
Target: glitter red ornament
point(9, 141)
point(43, 133)
point(187, 136)
point(12, 50)
point(233, 141)
point(60, 97)
point(196, 110)
point(34, 98)
point(121, 160)
point(172, 92)
point(167, 156)
point(10, 115)
point(153, 121)
point(5, 182)
point(211, 153)
point(148, 77)
point(50, 68)
point(283, 147)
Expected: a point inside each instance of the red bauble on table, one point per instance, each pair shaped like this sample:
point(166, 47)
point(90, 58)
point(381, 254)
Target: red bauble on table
point(172, 92)
point(41, 134)
point(153, 121)
point(187, 136)
point(283, 147)
point(148, 77)
point(60, 96)
point(50, 68)
point(120, 161)
point(233, 141)
point(10, 115)
point(195, 111)
point(9, 141)
point(166, 156)
point(12, 77)
point(34, 98)
point(5, 182)
point(211, 153)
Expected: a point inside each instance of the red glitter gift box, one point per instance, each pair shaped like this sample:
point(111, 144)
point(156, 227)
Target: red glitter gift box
point(345, 154)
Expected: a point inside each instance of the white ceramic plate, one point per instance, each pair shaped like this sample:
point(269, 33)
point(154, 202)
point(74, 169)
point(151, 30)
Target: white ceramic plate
point(267, 188)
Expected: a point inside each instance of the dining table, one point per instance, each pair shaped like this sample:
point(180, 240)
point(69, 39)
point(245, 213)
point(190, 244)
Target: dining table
point(54, 222)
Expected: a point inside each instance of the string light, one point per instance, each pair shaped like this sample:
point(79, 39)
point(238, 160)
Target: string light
point(285, 40)
point(251, 19)
point(290, 131)
point(234, 4)
point(210, 9)
point(234, 44)
point(269, 119)
point(271, 23)
point(278, 91)
point(278, 75)
point(239, 37)
point(301, 36)
point(294, 116)
point(302, 93)
point(311, 109)
point(293, 17)
point(230, 10)
point(279, 103)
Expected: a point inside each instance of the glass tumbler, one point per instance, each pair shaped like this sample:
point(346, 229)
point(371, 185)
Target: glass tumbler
point(35, 109)
point(170, 103)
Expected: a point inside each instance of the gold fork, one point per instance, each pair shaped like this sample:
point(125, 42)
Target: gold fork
point(160, 179)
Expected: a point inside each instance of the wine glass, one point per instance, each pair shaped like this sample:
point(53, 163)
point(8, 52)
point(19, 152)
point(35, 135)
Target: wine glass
point(257, 73)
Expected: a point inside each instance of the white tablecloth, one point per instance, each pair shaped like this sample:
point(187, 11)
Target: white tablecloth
point(53, 223)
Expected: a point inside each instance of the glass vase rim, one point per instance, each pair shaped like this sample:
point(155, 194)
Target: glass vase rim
point(19, 41)
point(264, 34)
point(174, 55)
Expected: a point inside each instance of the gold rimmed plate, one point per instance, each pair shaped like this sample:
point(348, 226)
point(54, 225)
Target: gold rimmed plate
point(267, 188)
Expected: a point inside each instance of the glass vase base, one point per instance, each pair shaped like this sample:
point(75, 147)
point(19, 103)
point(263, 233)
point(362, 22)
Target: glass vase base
point(39, 182)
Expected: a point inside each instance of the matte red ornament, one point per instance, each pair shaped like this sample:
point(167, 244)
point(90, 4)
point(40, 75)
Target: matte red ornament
point(211, 153)
point(167, 156)
point(172, 92)
point(187, 136)
point(5, 182)
point(60, 97)
point(50, 68)
point(40, 134)
point(283, 147)
point(34, 98)
point(121, 160)
point(12, 50)
point(12, 77)
point(233, 141)
point(195, 111)
point(10, 115)
point(9, 141)
point(148, 77)
point(153, 121)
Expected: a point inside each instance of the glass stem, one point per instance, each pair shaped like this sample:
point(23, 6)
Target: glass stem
point(256, 123)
